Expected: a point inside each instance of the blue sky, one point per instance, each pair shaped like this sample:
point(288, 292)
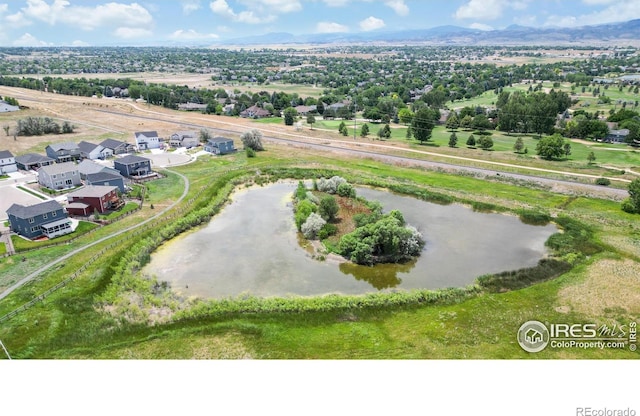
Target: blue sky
point(206, 22)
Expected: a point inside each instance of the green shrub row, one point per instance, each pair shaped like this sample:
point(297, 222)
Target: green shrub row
point(518, 279)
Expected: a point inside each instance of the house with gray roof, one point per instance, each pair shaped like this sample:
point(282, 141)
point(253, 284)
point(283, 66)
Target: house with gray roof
point(132, 166)
point(106, 179)
point(617, 136)
point(7, 162)
point(59, 176)
point(186, 139)
point(94, 151)
point(33, 161)
point(219, 146)
point(44, 219)
point(87, 167)
point(63, 152)
point(117, 147)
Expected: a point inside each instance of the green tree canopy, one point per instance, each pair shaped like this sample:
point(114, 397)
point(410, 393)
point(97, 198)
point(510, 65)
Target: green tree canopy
point(423, 124)
point(551, 147)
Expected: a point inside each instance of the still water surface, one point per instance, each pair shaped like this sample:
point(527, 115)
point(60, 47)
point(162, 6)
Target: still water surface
point(251, 247)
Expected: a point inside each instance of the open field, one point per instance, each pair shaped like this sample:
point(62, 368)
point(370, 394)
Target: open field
point(75, 323)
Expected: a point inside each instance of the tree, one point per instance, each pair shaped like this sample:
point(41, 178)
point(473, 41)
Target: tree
point(452, 122)
point(485, 142)
point(290, 115)
point(252, 139)
point(384, 132)
point(312, 226)
point(466, 122)
point(310, 120)
point(405, 115)
point(519, 145)
point(364, 132)
point(342, 128)
point(471, 141)
point(591, 157)
point(205, 135)
point(328, 208)
point(632, 204)
point(6, 129)
point(551, 147)
point(453, 140)
point(422, 125)
point(567, 149)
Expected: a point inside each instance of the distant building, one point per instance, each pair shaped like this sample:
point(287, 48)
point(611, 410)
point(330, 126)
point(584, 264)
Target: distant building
point(33, 161)
point(186, 139)
point(59, 176)
point(219, 146)
point(7, 162)
point(87, 167)
point(617, 136)
point(47, 218)
point(192, 107)
point(133, 166)
point(255, 112)
point(146, 140)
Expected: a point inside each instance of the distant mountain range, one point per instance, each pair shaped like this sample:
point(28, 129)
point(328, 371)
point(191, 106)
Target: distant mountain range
point(624, 33)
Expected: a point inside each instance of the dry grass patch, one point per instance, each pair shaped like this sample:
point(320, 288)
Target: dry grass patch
point(609, 285)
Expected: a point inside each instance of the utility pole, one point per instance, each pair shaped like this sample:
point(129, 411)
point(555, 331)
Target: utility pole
point(5, 350)
point(355, 117)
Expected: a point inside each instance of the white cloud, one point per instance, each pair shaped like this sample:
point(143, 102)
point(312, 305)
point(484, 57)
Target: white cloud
point(618, 11)
point(17, 20)
point(480, 26)
point(191, 35)
point(331, 27)
point(336, 3)
point(132, 33)
point(28, 40)
point(371, 23)
point(190, 6)
point(488, 9)
point(273, 6)
point(88, 18)
point(222, 8)
point(398, 6)
point(79, 43)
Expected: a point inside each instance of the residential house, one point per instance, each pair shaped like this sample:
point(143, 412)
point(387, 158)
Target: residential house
point(255, 112)
point(617, 136)
point(106, 179)
point(219, 146)
point(133, 166)
point(59, 176)
point(117, 147)
point(63, 152)
point(46, 218)
point(146, 140)
point(94, 151)
point(87, 167)
point(303, 110)
point(33, 161)
point(7, 162)
point(5, 107)
point(87, 200)
point(186, 139)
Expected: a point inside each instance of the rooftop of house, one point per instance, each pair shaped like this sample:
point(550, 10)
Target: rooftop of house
point(92, 191)
point(63, 146)
point(32, 158)
point(87, 147)
point(102, 176)
point(58, 168)
point(219, 139)
point(5, 154)
point(30, 211)
point(147, 133)
point(112, 143)
point(131, 159)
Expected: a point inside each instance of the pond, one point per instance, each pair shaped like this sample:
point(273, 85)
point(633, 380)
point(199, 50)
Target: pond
point(252, 247)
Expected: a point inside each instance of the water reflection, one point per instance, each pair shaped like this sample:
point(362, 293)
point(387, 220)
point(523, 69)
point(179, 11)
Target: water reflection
point(380, 276)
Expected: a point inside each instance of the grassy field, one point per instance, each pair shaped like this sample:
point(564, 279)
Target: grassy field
point(70, 324)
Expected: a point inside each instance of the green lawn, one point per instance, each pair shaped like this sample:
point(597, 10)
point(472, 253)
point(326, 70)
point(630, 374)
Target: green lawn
point(21, 244)
point(129, 206)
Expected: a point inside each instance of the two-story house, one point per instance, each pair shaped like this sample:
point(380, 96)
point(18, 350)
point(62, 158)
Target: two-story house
point(133, 166)
point(146, 140)
point(117, 147)
point(33, 161)
point(219, 146)
point(94, 151)
point(7, 162)
point(63, 152)
point(186, 139)
point(87, 200)
point(46, 218)
point(59, 176)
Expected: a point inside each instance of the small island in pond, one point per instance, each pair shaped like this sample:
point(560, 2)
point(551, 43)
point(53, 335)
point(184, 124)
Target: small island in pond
point(353, 227)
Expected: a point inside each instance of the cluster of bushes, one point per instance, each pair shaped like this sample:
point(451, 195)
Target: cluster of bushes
point(518, 279)
point(37, 126)
point(335, 185)
point(381, 239)
point(313, 216)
